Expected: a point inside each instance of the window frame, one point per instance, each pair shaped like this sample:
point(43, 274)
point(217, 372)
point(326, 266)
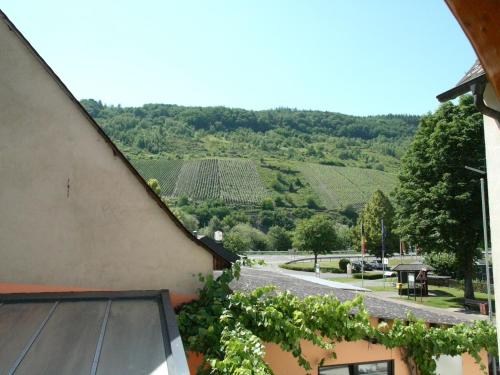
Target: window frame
point(353, 367)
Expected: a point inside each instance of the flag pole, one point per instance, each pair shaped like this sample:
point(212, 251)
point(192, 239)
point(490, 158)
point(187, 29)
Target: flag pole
point(383, 251)
point(363, 245)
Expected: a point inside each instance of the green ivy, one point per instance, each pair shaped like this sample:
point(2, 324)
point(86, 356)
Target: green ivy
point(230, 329)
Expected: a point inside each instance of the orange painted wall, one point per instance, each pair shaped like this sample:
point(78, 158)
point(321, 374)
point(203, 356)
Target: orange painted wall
point(284, 363)
point(470, 366)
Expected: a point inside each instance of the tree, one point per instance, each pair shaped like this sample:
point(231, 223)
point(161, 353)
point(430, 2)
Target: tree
point(316, 235)
point(438, 200)
point(279, 239)
point(267, 204)
point(188, 220)
point(243, 237)
point(378, 208)
point(155, 185)
point(235, 242)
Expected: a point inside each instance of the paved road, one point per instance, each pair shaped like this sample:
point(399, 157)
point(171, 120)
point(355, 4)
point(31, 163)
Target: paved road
point(273, 262)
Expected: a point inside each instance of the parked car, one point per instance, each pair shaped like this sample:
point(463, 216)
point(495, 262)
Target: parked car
point(377, 264)
point(357, 265)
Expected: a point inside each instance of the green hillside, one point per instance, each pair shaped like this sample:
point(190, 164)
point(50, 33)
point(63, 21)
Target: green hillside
point(245, 182)
point(163, 131)
point(297, 158)
point(341, 186)
point(234, 181)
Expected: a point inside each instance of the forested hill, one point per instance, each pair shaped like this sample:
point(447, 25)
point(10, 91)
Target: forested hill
point(172, 131)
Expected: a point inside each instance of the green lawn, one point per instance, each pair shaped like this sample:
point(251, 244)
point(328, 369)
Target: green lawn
point(448, 297)
point(309, 266)
point(354, 280)
point(441, 297)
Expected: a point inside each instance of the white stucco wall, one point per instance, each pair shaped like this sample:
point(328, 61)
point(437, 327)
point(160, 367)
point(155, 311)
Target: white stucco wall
point(492, 140)
point(104, 231)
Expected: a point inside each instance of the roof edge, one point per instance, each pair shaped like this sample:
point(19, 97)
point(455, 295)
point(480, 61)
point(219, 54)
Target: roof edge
point(460, 89)
point(114, 148)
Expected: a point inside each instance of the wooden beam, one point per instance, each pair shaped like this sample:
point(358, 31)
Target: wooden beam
point(480, 21)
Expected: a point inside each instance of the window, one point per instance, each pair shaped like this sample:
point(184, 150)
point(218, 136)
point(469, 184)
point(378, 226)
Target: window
point(371, 368)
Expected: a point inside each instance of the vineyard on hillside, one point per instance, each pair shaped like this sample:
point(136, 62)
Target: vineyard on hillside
point(165, 171)
point(339, 186)
point(232, 180)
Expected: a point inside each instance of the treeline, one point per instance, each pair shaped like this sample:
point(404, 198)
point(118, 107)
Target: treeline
point(229, 119)
point(289, 133)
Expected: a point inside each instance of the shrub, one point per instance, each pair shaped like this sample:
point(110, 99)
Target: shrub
point(368, 276)
point(445, 264)
point(343, 264)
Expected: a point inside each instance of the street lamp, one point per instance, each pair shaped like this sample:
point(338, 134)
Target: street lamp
point(485, 234)
point(486, 261)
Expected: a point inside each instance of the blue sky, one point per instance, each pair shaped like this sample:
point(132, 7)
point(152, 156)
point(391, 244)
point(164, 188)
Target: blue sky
point(356, 57)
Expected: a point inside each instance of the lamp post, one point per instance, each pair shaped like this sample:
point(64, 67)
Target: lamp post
point(485, 238)
point(486, 260)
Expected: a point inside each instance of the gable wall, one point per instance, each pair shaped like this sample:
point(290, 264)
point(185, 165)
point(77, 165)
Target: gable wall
point(71, 212)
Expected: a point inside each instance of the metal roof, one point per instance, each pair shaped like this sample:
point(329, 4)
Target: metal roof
point(475, 75)
point(412, 267)
point(92, 333)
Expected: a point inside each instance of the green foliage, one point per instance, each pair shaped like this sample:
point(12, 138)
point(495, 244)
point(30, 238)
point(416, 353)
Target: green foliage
point(445, 264)
point(207, 210)
point(267, 204)
point(278, 217)
point(438, 200)
point(234, 218)
point(309, 267)
point(214, 225)
point(155, 185)
point(235, 242)
point(170, 130)
point(279, 239)
point(231, 329)
point(244, 237)
point(311, 203)
point(378, 208)
point(343, 264)
point(189, 221)
point(316, 235)
point(368, 276)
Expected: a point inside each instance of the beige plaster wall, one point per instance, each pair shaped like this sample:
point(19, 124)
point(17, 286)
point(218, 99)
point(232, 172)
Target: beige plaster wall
point(71, 213)
point(492, 140)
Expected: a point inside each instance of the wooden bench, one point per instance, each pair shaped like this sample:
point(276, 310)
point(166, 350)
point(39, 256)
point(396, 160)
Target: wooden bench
point(482, 306)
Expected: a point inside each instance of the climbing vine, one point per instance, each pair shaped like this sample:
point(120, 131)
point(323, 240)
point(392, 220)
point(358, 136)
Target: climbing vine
point(230, 329)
